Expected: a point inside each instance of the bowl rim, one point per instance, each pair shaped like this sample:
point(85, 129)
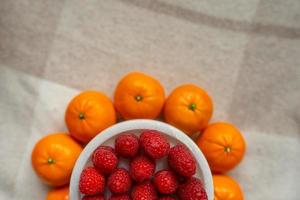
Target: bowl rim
point(141, 124)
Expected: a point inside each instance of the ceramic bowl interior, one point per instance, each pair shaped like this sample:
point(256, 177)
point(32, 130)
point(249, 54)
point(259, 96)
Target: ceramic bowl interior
point(107, 137)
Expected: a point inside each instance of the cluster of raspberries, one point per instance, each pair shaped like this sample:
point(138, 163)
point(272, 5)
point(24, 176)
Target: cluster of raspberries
point(141, 181)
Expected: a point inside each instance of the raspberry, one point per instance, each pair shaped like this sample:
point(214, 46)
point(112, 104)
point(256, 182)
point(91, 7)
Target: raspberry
point(144, 191)
point(192, 189)
point(96, 197)
point(109, 148)
point(155, 144)
point(119, 181)
point(91, 181)
point(166, 198)
point(127, 145)
point(181, 160)
point(104, 160)
point(165, 182)
point(142, 168)
point(120, 197)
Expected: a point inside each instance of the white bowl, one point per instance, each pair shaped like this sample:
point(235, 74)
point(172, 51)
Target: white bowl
point(108, 136)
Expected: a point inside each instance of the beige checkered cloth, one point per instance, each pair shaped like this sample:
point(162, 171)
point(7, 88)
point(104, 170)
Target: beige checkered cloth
point(245, 53)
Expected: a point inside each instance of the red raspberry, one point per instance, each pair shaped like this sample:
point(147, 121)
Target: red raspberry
point(119, 181)
point(144, 191)
point(166, 182)
point(181, 160)
point(96, 197)
point(109, 148)
point(166, 198)
point(155, 144)
point(192, 189)
point(120, 197)
point(104, 160)
point(91, 181)
point(142, 168)
point(127, 145)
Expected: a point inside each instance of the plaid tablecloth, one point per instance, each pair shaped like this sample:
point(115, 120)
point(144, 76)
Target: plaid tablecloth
point(245, 53)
